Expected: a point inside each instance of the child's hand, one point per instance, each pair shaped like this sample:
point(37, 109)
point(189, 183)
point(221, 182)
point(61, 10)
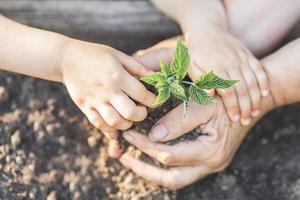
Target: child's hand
point(101, 82)
point(217, 50)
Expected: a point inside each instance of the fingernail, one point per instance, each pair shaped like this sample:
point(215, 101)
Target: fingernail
point(236, 117)
point(246, 121)
point(158, 132)
point(265, 93)
point(255, 113)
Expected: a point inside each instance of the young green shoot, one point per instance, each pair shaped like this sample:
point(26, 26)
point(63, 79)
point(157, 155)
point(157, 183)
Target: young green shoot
point(170, 80)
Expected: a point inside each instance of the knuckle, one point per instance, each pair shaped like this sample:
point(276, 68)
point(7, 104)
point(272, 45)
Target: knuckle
point(126, 126)
point(226, 93)
point(116, 77)
point(130, 113)
point(251, 82)
point(255, 65)
point(263, 77)
point(114, 120)
point(143, 95)
point(167, 159)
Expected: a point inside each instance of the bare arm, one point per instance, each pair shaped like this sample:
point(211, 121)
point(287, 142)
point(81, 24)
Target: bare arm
point(194, 14)
point(30, 51)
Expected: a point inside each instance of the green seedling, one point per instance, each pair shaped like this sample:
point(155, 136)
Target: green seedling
point(170, 80)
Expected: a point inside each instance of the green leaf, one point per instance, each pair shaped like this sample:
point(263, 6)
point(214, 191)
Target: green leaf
point(155, 79)
point(178, 90)
point(163, 95)
point(200, 96)
point(181, 60)
point(161, 80)
point(165, 68)
point(211, 81)
point(150, 79)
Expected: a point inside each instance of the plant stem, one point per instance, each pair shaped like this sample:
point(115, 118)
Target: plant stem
point(187, 82)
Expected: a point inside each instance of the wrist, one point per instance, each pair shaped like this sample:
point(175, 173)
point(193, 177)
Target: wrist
point(202, 16)
point(67, 57)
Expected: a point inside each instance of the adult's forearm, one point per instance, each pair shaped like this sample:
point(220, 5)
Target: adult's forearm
point(30, 51)
point(282, 68)
point(194, 14)
point(253, 21)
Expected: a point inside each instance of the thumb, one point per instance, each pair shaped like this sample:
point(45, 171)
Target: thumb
point(174, 125)
point(151, 57)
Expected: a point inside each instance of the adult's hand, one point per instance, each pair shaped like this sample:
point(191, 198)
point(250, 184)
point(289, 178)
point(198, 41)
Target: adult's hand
point(213, 151)
point(192, 160)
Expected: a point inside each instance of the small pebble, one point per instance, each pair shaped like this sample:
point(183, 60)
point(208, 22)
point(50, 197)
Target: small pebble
point(51, 196)
point(3, 94)
point(15, 139)
point(92, 141)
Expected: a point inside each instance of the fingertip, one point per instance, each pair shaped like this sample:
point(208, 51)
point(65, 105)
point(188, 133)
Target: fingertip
point(125, 160)
point(141, 113)
point(211, 92)
point(255, 113)
point(246, 121)
point(114, 149)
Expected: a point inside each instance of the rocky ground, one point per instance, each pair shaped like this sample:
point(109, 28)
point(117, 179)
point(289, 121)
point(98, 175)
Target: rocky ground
point(49, 151)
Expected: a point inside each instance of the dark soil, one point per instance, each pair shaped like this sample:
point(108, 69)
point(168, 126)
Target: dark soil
point(48, 150)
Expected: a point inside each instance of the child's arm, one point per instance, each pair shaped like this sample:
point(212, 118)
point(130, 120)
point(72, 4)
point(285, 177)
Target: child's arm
point(99, 79)
point(212, 47)
point(30, 51)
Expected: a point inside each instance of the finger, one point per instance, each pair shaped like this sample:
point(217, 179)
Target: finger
point(152, 57)
point(254, 91)
point(261, 76)
point(133, 66)
point(137, 91)
point(173, 124)
point(242, 96)
point(195, 72)
point(111, 134)
point(229, 97)
point(114, 149)
point(112, 117)
point(178, 154)
point(174, 178)
point(127, 108)
point(96, 120)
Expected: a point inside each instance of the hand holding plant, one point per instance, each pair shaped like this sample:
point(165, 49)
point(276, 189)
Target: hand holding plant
point(170, 80)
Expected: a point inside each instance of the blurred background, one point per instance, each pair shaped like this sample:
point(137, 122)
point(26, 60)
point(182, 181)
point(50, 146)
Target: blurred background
point(125, 24)
point(49, 151)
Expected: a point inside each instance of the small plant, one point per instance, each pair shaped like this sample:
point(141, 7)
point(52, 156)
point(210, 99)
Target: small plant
point(170, 80)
